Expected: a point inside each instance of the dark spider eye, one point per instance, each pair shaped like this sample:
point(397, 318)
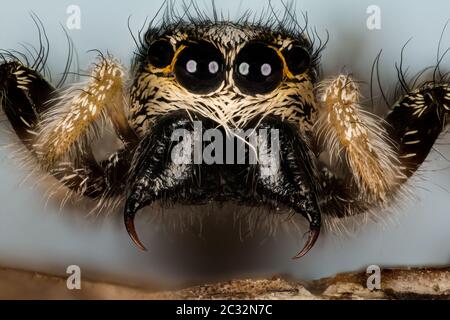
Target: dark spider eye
point(258, 69)
point(200, 68)
point(297, 59)
point(160, 53)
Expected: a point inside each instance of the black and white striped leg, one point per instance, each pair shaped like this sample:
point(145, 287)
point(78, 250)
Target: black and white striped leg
point(416, 121)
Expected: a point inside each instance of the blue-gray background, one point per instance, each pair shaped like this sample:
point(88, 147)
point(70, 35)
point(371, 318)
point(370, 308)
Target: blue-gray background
point(36, 237)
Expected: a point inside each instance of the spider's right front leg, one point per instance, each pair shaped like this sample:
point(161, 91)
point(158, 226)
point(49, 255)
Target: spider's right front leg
point(73, 122)
point(55, 128)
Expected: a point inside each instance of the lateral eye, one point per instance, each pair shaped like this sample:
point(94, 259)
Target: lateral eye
point(298, 60)
point(258, 69)
point(161, 53)
point(200, 68)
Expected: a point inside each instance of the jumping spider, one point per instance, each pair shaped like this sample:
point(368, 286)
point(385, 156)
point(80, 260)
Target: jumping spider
point(227, 75)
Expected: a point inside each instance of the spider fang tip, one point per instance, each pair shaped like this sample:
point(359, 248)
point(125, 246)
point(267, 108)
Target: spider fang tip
point(312, 238)
point(129, 225)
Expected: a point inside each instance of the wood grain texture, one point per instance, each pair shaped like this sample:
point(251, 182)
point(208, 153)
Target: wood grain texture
point(429, 283)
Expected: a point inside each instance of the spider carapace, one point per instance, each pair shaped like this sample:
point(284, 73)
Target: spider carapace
point(227, 76)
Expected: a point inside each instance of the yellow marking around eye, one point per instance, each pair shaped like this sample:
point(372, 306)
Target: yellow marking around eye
point(170, 67)
point(286, 70)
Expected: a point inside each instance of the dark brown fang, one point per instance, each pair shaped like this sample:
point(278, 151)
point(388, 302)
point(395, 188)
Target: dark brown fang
point(130, 212)
point(313, 235)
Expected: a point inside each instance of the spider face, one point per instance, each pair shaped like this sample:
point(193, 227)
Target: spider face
point(229, 76)
point(225, 72)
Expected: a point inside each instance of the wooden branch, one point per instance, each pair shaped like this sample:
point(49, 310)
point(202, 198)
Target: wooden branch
point(430, 283)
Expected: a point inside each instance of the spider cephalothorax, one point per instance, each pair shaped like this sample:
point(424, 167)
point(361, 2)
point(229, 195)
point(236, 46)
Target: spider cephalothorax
point(227, 72)
point(332, 159)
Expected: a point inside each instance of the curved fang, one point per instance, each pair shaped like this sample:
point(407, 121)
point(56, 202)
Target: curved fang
point(315, 222)
point(312, 238)
point(131, 207)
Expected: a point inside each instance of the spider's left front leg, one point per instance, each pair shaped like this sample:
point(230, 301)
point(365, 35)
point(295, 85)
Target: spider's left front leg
point(59, 127)
point(371, 158)
point(362, 168)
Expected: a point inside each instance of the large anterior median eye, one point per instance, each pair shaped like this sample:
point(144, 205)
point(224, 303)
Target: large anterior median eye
point(200, 68)
point(258, 69)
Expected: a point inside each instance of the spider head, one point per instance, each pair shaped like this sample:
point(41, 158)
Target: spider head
point(227, 72)
point(227, 76)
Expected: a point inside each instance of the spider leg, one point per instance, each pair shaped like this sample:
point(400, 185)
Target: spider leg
point(371, 158)
point(356, 142)
point(73, 121)
point(23, 96)
point(416, 121)
point(28, 102)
